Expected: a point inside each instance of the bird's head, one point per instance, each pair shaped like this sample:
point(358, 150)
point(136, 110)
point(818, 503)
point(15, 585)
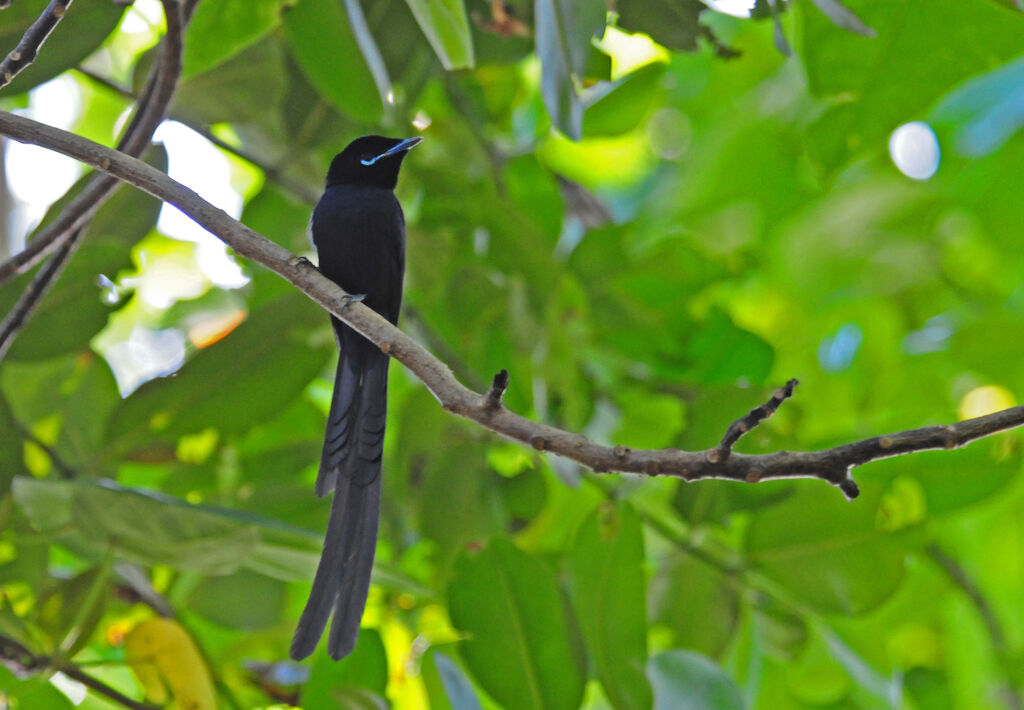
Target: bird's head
point(371, 161)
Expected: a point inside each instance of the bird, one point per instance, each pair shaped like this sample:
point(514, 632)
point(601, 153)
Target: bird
point(358, 229)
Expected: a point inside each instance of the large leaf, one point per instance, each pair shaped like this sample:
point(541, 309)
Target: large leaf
point(563, 30)
point(258, 369)
point(224, 91)
point(606, 576)
point(148, 528)
point(219, 30)
point(446, 27)
point(519, 644)
point(615, 108)
point(322, 41)
point(84, 28)
point(831, 553)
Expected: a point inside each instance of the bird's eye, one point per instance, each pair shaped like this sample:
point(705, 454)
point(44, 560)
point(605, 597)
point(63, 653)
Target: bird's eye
point(366, 158)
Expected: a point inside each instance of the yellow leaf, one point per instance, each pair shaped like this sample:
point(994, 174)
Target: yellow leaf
point(167, 664)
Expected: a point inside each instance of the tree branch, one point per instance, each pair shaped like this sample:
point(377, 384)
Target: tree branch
point(28, 48)
point(832, 465)
point(24, 664)
point(64, 233)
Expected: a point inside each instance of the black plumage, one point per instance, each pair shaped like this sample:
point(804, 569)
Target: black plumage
point(359, 232)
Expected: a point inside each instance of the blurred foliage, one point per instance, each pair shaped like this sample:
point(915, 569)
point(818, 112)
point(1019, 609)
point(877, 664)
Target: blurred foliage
point(650, 225)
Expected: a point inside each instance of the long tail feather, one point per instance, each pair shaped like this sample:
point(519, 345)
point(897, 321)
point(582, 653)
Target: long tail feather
point(350, 465)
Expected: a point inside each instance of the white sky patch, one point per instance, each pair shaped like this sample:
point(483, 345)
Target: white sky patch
point(142, 16)
point(144, 355)
point(915, 150)
point(736, 8)
point(37, 176)
point(197, 163)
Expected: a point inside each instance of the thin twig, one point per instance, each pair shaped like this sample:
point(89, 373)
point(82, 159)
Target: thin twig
point(65, 471)
point(754, 417)
point(65, 232)
point(24, 664)
point(30, 298)
point(28, 48)
point(959, 577)
point(498, 387)
point(832, 465)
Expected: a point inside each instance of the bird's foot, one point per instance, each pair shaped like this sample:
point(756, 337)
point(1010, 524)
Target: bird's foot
point(351, 298)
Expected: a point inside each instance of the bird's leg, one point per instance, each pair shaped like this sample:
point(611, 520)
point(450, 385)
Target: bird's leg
point(351, 298)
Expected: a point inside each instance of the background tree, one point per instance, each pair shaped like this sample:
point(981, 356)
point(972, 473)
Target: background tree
point(650, 225)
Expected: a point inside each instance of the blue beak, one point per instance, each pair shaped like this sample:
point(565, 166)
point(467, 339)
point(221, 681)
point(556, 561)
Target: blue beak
point(407, 144)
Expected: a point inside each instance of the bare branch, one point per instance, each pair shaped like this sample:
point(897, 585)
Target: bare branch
point(64, 233)
point(832, 465)
point(498, 387)
point(754, 417)
point(28, 48)
point(24, 664)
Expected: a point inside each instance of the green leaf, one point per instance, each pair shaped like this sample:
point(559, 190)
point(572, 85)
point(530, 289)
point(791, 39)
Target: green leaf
point(366, 668)
point(951, 480)
point(606, 578)
point(32, 692)
point(322, 41)
point(445, 25)
point(649, 420)
point(148, 528)
point(875, 84)
point(259, 368)
point(84, 28)
point(705, 617)
point(72, 608)
point(564, 30)
point(519, 644)
point(217, 599)
point(143, 528)
point(219, 30)
point(683, 679)
point(12, 448)
point(843, 17)
point(722, 352)
point(225, 91)
point(829, 552)
point(617, 108)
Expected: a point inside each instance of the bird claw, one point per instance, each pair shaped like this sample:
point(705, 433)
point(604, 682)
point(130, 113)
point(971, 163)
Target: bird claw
point(354, 298)
point(299, 261)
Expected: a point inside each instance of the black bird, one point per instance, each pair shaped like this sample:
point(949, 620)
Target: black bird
point(359, 232)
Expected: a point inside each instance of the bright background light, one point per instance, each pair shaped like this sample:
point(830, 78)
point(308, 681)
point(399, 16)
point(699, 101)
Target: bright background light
point(915, 150)
point(197, 163)
point(37, 176)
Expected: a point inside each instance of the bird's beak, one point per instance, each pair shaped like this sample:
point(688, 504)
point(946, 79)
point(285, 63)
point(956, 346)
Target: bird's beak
point(407, 144)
